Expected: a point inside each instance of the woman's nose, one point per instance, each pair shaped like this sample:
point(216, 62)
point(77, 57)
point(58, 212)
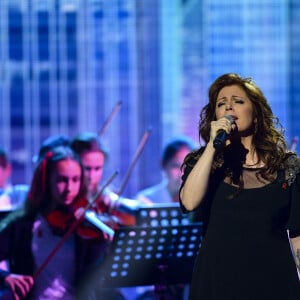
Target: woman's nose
point(228, 106)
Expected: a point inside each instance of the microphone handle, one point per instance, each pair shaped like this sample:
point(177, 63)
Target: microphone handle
point(220, 139)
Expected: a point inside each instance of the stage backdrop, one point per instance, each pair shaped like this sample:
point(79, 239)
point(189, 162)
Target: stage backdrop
point(65, 65)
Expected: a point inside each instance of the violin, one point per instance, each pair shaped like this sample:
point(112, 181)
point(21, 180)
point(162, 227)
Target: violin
point(98, 220)
point(122, 211)
point(125, 210)
point(62, 218)
point(73, 227)
point(66, 220)
point(95, 224)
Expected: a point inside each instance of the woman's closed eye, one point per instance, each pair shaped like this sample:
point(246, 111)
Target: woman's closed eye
point(235, 101)
point(239, 101)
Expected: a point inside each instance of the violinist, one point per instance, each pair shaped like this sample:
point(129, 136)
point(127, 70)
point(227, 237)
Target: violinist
point(167, 190)
point(27, 235)
point(94, 155)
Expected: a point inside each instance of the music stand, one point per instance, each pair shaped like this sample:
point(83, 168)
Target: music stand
point(162, 214)
point(152, 256)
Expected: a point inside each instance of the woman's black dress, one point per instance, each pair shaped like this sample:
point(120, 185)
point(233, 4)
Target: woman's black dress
point(245, 253)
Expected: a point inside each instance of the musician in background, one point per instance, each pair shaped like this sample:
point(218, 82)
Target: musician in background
point(167, 190)
point(28, 235)
point(93, 155)
point(11, 196)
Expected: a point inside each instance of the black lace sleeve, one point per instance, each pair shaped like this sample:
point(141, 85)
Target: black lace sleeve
point(293, 180)
point(292, 168)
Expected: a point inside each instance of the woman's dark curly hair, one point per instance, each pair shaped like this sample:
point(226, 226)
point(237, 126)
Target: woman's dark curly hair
point(268, 138)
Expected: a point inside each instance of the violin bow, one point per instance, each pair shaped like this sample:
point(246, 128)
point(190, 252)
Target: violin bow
point(74, 226)
point(134, 161)
point(90, 215)
point(109, 118)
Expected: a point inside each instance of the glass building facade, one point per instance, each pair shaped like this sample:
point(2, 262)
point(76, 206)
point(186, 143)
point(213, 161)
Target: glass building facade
point(66, 64)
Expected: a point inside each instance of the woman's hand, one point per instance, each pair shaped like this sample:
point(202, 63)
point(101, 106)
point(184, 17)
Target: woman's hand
point(20, 285)
point(224, 123)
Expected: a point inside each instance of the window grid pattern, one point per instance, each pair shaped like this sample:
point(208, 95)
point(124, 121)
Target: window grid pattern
point(64, 65)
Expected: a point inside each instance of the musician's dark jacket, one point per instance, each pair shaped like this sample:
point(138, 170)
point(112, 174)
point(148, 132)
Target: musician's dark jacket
point(16, 241)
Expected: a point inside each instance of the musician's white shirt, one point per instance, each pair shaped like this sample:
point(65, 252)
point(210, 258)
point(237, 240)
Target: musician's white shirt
point(56, 281)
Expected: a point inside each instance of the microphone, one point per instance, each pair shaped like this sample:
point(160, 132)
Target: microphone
point(222, 134)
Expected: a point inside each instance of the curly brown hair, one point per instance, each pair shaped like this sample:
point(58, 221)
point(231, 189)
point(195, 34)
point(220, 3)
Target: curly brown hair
point(268, 138)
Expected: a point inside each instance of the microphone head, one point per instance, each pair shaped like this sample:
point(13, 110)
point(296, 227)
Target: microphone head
point(230, 118)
